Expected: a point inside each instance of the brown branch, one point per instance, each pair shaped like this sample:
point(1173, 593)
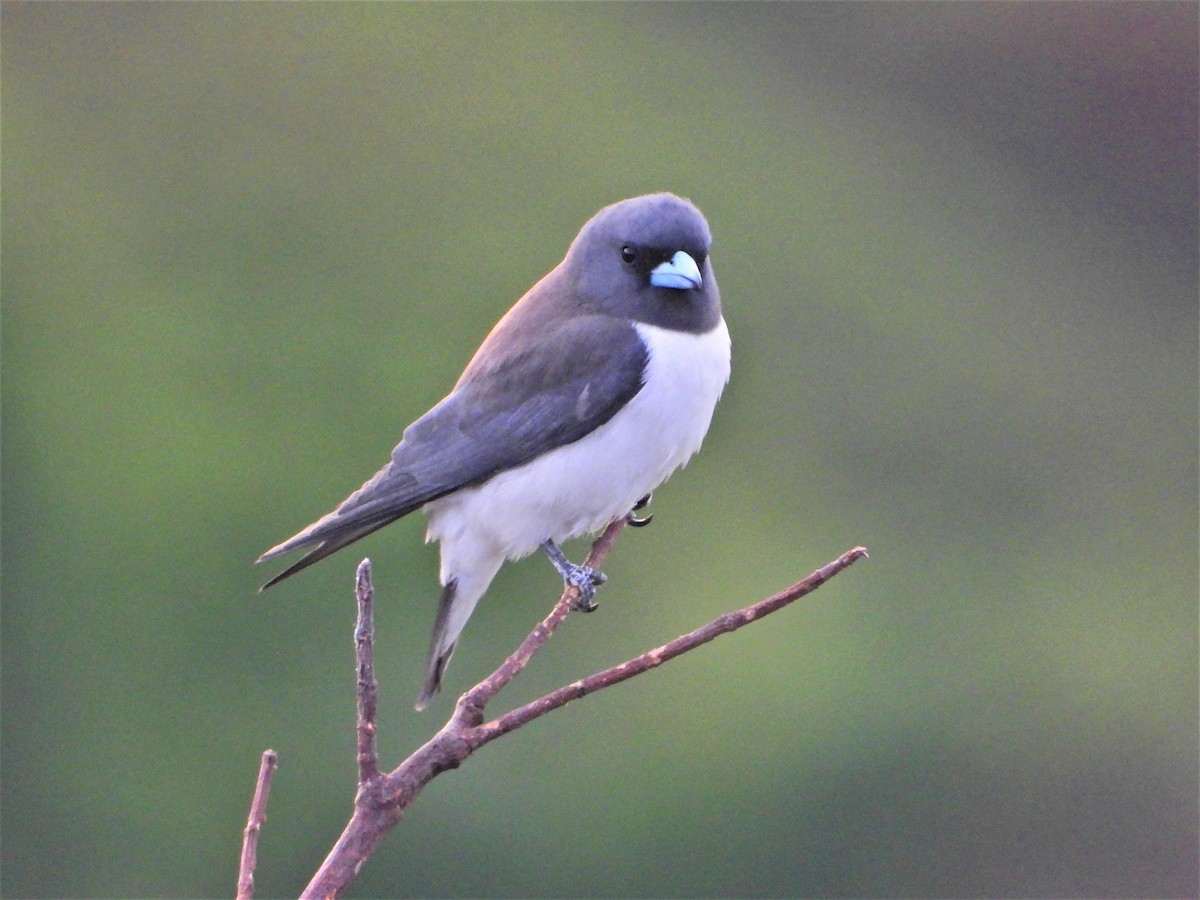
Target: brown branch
point(382, 798)
point(652, 659)
point(368, 688)
point(258, 815)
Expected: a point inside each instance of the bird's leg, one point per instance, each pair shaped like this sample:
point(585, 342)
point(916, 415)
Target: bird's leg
point(582, 577)
point(643, 521)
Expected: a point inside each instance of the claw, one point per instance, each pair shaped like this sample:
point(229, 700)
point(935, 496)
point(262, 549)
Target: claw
point(640, 521)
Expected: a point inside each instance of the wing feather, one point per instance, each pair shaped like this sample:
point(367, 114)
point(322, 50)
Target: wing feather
point(512, 405)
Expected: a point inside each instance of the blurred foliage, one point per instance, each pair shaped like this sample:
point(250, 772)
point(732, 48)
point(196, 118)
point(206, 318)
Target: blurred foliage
point(244, 245)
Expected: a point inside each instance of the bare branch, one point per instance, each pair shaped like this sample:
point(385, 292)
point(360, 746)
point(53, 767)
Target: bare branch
point(368, 688)
point(258, 815)
point(652, 659)
point(382, 798)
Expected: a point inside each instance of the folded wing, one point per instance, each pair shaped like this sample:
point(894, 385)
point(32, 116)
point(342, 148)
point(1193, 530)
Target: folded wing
point(501, 415)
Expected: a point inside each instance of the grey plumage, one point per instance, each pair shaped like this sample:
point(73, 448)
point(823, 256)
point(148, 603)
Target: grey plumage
point(568, 357)
point(587, 368)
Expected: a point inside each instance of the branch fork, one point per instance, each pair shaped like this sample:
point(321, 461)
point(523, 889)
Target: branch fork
point(382, 797)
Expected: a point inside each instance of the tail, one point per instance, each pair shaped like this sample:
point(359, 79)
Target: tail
point(464, 580)
point(441, 645)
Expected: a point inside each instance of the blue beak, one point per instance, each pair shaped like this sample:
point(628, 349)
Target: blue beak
point(679, 272)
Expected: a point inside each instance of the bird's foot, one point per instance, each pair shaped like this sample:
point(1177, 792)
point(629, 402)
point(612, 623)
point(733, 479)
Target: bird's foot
point(587, 580)
point(584, 578)
point(640, 521)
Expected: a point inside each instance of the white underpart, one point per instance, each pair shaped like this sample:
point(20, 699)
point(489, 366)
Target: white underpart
point(580, 488)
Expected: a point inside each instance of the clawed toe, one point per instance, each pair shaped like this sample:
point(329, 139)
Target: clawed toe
point(640, 521)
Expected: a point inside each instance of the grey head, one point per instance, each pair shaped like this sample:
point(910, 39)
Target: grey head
point(611, 264)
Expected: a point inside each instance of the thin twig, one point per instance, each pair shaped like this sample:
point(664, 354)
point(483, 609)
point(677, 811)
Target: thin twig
point(368, 687)
point(258, 815)
point(381, 801)
point(652, 659)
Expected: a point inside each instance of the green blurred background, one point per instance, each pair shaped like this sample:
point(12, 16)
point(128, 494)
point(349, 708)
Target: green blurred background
point(244, 245)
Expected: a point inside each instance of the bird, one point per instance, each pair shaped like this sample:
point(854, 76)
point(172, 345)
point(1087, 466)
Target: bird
point(587, 394)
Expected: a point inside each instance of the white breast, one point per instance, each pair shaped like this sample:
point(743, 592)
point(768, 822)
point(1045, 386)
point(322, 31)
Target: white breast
point(580, 488)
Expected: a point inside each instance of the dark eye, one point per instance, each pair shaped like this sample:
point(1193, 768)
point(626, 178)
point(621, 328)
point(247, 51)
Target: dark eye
point(629, 253)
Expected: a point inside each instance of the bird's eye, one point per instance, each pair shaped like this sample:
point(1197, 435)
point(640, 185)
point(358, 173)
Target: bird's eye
point(629, 253)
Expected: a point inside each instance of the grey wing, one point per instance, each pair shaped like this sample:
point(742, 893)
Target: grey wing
point(499, 416)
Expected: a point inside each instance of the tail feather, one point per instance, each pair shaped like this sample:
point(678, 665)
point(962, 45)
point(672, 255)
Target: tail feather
point(440, 650)
point(435, 669)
